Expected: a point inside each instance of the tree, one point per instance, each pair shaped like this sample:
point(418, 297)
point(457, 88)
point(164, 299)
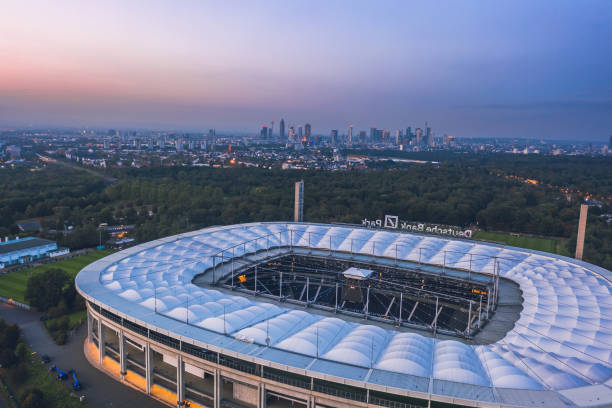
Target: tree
point(7, 358)
point(33, 398)
point(22, 351)
point(9, 337)
point(45, 290)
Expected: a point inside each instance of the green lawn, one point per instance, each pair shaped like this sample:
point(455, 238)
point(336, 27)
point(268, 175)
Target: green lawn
point(13, 285)
point(552, 245)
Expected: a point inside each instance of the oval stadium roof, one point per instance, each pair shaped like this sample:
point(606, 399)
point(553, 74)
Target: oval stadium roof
point(562, 342)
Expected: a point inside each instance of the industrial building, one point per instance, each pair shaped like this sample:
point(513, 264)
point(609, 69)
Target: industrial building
point(26, 250)
point(317, 315)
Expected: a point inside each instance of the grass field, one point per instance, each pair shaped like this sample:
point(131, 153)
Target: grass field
point(552, 245)
point(13, 284)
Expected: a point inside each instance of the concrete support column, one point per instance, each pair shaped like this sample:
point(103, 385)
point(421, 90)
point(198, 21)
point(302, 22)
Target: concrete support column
point(311, 402)
point(262, 396)
point(89, 326)
point(180, 380)
point(101, 341)
point(148, 367)
point(218, 389)
point(122, 354)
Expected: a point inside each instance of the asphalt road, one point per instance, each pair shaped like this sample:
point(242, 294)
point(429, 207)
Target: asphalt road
point(101, 391)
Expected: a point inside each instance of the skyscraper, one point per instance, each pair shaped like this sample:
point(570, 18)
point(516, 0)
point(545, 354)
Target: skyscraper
point(334, 137)
point(373, 132)
point(212, 137)
point(291, 134)
point(300, 133)
point(264, 132)
point(282, 130)
point(428, 135)
point(362, 137)
point(349, 140)
point(419, 136)
point(307, 131)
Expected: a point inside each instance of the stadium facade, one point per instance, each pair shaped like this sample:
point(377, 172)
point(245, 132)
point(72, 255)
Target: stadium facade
point(316, 315)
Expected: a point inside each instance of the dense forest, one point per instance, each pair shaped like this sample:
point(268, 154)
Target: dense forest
point(462, 190)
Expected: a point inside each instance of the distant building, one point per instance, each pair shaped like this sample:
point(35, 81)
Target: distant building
point(428, 135)
point(29, 226)
point(14, 152)
point(307, 131)
point(26, 250)
point(212, 137)
point(418, 134)
point(282, 129)
point(373, 134)
point(291, 134)
point(349, 139)
point(334, 137)
point(362, 136)
point(264, 132)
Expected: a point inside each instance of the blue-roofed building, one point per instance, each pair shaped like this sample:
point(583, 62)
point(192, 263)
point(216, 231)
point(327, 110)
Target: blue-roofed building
point(26, 250)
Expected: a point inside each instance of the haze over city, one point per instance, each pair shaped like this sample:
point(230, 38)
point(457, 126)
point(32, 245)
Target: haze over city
point(473, 69)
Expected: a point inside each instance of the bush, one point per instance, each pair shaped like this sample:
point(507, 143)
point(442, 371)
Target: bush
point(33, 398)
point(58, 310)
point(60, 337)
point(22, 351)
point(9, 337)
point(7, 358)
point(18, 373)
point(45, 290)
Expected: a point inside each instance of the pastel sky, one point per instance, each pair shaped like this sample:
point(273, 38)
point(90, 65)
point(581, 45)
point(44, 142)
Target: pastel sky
point(519, 68)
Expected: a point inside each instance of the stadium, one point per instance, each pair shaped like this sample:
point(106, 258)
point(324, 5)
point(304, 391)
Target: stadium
point(317, 315)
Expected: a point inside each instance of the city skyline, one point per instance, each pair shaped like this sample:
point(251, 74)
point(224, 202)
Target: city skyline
point(473, 69)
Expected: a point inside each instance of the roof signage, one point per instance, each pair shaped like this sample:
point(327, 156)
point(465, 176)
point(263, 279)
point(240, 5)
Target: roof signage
point(393, 222)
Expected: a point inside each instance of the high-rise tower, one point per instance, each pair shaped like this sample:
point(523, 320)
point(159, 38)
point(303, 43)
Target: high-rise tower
point(334, 137)
point(349, 139)
point(282, 129)
point(298, 207)
point(373, 133)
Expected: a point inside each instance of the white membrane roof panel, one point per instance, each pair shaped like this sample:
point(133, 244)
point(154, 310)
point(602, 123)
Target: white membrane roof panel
point(562, 339)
